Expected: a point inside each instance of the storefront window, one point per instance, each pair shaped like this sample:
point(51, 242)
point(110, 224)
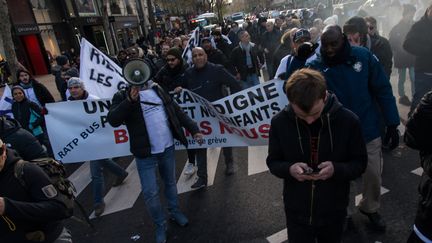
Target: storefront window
point(116, 7)
point(50, 41)
point(45, 13)
point(86, 7)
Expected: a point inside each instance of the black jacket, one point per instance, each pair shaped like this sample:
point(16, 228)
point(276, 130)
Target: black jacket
point(270, 40)
point(238, 60)
point(59, 81)
point(130, 113)
point(418, 42)
point(380, 46)
point(169, 78)
point(340, 141)
point(402, 59)
point(281, 51)
point(29, 209)
point(22, 110)
point(223, 45)
point(216, 56)
point(417, 136)
point(209, 80)
point(21, 140)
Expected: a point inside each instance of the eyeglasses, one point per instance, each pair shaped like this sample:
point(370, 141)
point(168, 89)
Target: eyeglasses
point(171, 59)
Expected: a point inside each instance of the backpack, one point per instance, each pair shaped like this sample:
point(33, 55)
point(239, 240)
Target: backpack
point(57, 174)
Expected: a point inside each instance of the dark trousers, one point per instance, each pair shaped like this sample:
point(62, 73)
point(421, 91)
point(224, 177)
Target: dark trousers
point(201, 159)
point(422, 84)
point(303, 233)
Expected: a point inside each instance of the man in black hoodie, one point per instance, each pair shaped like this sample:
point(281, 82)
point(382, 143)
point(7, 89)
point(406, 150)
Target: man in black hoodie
point(317, 163)
point(418, 43)
point(31, 213)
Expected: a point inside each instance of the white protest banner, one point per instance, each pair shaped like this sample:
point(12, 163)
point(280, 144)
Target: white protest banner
point(102, 77)
point(192, 43)
point(78, 131)
point(241, 119)
point(6, 102)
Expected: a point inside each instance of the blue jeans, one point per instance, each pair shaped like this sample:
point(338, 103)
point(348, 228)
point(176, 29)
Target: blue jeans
point(423, 84)
point(251, 80)
point(165, 161)
point(402, 78)
point(96, 170)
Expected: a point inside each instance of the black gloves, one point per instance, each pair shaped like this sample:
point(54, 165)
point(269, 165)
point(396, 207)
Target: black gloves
point(305, 50)
point(391, 138)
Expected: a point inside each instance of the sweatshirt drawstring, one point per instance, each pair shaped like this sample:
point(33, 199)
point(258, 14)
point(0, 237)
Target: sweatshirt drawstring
point(330, 131)
point(299, 135)
point(9, 222)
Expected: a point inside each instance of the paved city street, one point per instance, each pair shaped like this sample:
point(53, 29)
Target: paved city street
point(245, 207)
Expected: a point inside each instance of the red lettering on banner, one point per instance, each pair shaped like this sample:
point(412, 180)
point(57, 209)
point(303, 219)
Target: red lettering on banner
point(206, 128)
point(264, 130)
point(120, 136)
point(251, 133)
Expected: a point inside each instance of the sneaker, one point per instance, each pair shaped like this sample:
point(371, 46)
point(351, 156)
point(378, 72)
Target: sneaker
point(231, 168)
point(99, 209)
point(190, 169)
point(161, 230)
point(179, 218)
point(200, 183)
point(376, 221)
point(120, 179)
point(403, 100)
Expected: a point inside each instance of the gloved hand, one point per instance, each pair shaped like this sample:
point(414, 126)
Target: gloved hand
point(391, 138)
point(305, 50)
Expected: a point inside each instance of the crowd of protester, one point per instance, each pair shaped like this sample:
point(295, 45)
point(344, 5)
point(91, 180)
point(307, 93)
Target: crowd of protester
point(336, 68)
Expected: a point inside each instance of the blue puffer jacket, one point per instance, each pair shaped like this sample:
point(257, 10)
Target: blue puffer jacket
point(360, 83)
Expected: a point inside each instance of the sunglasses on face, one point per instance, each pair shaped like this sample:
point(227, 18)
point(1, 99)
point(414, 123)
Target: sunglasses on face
point(371, 27)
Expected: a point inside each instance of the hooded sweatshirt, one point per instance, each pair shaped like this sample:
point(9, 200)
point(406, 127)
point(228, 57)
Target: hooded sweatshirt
point(338, 139)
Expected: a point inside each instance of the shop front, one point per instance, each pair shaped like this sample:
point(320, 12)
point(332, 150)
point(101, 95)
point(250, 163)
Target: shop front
point(126, 29)
point(26, 35)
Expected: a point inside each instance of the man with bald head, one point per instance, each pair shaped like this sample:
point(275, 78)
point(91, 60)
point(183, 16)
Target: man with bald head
point(358, 80)
point(208, 80)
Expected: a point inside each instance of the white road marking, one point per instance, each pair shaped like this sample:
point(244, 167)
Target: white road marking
point(257, 159)
point(124, 196)
point(185, 182)
point(279, 237)
point(81, 177)
point(359, 197)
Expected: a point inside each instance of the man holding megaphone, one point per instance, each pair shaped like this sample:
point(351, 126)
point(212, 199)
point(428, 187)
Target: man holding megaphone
point(153, 121)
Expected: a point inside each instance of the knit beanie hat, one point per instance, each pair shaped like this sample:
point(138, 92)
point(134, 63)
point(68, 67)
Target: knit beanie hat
point(62, 60)
point(75, 82)
point(72, 72)
point(175, 52)
point(17, 87)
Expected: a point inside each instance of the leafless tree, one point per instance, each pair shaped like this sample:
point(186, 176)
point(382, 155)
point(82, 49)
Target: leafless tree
point(6, 35)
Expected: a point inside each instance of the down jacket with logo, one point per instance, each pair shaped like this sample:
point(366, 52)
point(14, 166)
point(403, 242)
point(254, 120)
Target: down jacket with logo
point(360, 84)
